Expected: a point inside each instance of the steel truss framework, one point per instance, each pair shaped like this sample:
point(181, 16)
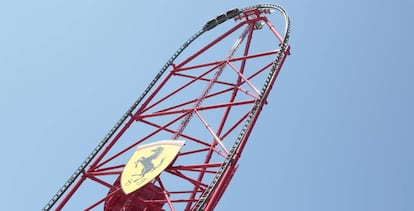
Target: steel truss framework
point(210, 100)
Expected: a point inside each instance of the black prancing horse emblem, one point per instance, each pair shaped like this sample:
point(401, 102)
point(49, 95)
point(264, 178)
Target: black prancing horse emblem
point(147, 162)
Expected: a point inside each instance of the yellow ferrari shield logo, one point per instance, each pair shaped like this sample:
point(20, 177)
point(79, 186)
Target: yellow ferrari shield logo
point(147, 162)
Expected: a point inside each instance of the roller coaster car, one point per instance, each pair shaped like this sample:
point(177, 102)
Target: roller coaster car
point(221, 18)
point(232, 13)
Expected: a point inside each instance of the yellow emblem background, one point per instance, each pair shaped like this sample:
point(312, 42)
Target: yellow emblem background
point(147, 162)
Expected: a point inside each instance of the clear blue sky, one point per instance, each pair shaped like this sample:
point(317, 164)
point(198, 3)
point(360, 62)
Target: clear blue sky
point(338, 133)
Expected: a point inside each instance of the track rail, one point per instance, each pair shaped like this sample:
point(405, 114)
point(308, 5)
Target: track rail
point(118, 125)
point(230, 164)
point(231, 160)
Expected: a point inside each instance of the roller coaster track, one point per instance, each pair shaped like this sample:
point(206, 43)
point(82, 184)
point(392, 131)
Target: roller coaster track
point(230, 162)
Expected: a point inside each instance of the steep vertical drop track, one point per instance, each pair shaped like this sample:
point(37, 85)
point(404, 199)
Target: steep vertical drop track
point(205, 95)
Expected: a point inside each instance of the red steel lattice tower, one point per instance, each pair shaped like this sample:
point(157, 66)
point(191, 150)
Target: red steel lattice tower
point(207, 97)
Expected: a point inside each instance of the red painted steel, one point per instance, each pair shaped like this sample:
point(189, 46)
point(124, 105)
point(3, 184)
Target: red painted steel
point(210, 100)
